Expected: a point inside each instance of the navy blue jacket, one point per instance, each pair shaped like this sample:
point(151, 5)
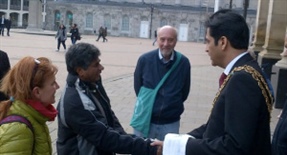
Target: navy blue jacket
point(168, 105)
point(279, 141)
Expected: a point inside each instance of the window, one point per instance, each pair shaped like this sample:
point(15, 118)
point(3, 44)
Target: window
point(57, 19)
point(125, 23)
point(202, 32)
point(107, 21)
point(69, 18)
point(89, 20)
point(163, 22)
point(15, 2)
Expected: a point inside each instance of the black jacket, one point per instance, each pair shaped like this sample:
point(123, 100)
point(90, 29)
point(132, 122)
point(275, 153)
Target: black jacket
point(90, 130)
point(4, 68)
point(279, 141)
point(239, 123)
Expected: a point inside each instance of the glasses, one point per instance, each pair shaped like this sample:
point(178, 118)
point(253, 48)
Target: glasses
point(37, 62)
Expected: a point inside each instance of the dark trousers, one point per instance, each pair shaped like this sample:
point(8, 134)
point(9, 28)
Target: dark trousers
point(8, 31)
point(63, 43)
point(2, 27)
point(101, 35)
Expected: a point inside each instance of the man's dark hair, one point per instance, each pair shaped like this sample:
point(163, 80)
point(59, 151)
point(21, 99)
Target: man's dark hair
point(230, 24)
point(81, 55)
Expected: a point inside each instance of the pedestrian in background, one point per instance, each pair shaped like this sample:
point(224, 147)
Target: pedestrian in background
point(101, 34)
point(8, 25)
point(74, 33)
point(61, 37)
point(31, 85)
point(105, 33)
point(155, 37)
point(2, 25)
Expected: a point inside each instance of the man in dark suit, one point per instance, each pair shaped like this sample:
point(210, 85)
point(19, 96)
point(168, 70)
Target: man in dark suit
point(239, 123)
point(2, 24)
point(8, 25)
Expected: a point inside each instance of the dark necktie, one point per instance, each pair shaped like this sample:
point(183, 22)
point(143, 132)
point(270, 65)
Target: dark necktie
point(221, 79)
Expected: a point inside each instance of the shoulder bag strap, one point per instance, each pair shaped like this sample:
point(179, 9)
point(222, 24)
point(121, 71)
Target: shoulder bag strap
point(21, 119)
point(178, 57)
point(17, 118)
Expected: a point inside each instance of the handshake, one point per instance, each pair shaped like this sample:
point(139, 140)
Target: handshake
point(173, 144)
point(159, 145)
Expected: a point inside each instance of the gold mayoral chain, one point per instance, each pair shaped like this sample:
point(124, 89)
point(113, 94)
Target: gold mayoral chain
point(260, 80)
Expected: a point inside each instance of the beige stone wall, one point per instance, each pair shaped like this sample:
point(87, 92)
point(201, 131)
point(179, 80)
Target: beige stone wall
point(175, 17)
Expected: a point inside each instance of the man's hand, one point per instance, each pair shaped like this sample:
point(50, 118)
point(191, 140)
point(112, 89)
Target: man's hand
point(159, 145)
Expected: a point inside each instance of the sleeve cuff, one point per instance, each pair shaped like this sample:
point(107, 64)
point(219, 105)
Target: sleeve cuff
point(175, 144)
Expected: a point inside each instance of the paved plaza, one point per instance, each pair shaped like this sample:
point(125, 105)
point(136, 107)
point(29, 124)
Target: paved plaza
point(119, 57)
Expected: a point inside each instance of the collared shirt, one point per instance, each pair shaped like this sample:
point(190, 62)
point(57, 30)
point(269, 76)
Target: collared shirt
point(162, 59)
point(2, 22)
point(231, 64)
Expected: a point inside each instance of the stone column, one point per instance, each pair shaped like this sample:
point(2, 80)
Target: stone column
point(8, 3)
point(22, 5)
point(275, 34)
point(20, 19)
point(35, 16)
point(261, 25)
point(279, 80)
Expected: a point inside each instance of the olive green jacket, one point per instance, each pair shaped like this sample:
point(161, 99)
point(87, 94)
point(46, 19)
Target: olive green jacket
point(17, 138)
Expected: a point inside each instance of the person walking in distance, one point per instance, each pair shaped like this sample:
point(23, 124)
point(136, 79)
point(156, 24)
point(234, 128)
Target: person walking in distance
point(61, 37)
point(105, 33)
point(155, 37)
point(74, 33)
point(101, 34)
point(2, 25)
point(8, 23)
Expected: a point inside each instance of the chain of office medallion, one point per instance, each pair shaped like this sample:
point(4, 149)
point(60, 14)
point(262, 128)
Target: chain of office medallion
point(260, 80)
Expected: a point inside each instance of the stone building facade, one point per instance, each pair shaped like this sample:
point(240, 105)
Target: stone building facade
point(129, 18)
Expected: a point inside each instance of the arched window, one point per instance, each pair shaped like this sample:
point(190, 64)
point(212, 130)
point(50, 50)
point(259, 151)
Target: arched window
point(57, 19)
point(107, 21)
point(163, 22)
point(89, 20)
point(69, 18)
point(125, 23)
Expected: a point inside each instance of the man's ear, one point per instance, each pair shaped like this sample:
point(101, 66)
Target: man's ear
point(79, 70)
point(223, 41)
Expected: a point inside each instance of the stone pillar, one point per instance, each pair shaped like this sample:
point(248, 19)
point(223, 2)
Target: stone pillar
point(20, 19)
point(275, 34)
point(261, 25)
point(8, 3)
point(279, 80)
point(22, 5)
point(35, 16)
